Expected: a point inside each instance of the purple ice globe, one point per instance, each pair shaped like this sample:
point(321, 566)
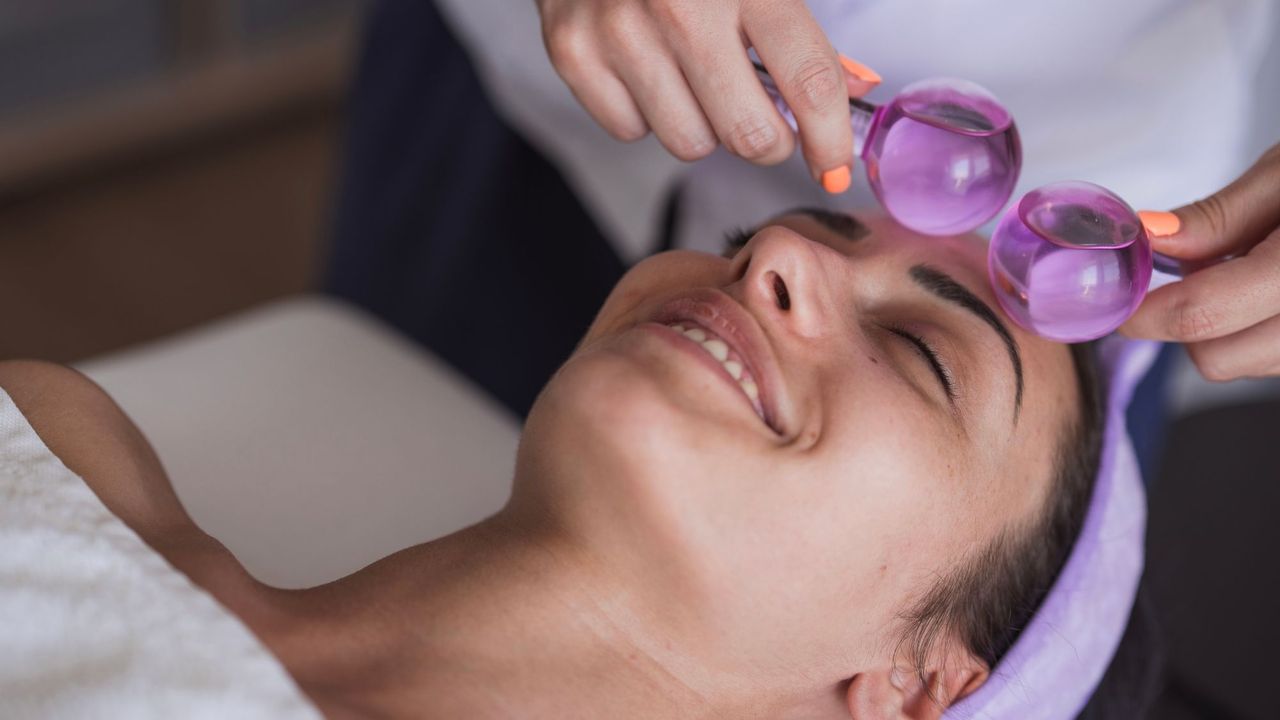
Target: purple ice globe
point(1070, 261)
point(943, 157)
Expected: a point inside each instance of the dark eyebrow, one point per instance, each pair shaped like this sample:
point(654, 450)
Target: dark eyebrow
point(839, 223)
point(944, 286)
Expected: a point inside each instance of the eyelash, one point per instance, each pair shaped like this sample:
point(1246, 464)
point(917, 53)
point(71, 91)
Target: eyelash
point(931, 356)
point(736, 238)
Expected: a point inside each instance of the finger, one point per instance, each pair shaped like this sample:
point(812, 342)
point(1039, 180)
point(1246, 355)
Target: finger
point(798, 56)
point(720, 73)
point(1228, 222)
point(671, 110)
point(1252, 352)
point(645, 64)
point(609, 103)
point(599, 90)
point(1214, 302)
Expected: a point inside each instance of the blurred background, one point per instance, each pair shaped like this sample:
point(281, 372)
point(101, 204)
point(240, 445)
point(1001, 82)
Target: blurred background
point(162, 162)
point(165, 163)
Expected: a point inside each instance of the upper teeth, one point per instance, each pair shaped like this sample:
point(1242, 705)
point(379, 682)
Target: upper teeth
point(719, 350)
point(734, 367)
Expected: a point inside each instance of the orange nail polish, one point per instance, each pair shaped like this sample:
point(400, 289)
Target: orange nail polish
point(860, 71)
point(838, 180)
point(1159, 223)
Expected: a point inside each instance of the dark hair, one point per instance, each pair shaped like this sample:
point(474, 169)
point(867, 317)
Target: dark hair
point(991, 596)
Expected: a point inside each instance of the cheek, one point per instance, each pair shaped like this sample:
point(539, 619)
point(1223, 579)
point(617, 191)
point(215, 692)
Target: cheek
point(874, 503)
point(884, 451)
point(823, 547)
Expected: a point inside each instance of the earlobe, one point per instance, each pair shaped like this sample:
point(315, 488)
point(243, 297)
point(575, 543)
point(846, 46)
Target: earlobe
point(872, 695)
point(897, 694)
point(924, 697)
point(969, 681)
point(894, 694)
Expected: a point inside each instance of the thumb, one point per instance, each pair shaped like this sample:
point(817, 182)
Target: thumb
point(1229, 222)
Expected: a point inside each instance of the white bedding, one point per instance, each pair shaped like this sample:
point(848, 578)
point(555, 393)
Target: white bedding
point(94, 623)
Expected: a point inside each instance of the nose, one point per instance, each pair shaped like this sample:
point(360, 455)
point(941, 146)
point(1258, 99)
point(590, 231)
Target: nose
point(786, 277)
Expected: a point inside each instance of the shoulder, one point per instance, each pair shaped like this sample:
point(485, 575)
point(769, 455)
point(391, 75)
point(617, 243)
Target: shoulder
point(95, 439)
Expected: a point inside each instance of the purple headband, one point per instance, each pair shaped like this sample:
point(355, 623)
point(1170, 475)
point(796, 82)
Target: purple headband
point(1059, 658)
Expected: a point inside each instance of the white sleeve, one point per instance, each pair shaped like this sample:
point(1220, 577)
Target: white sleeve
point(622, 185)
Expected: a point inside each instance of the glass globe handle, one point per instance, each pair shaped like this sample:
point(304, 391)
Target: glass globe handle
point(862, 113)
point(1165, 269)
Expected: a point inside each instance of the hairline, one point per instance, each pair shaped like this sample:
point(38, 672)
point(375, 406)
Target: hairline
point(926, 621)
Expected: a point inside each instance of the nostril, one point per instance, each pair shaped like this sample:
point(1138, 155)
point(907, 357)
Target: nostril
point(780, 289)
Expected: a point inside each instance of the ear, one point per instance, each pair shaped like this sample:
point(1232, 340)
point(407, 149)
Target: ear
point(901, 694)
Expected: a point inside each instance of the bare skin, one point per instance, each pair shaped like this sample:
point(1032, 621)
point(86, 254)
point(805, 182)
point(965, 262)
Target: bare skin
point(427, 632)
point(672, 549)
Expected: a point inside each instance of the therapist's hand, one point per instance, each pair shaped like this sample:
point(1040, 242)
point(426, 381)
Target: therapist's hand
point(1227, 314)
point(680, 68)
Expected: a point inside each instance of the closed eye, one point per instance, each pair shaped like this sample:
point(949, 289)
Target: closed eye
point(735, 240)
point(926, 351)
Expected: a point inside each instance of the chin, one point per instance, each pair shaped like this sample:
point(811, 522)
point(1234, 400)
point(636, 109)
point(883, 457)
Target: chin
point(609, 432)
point(606, 407)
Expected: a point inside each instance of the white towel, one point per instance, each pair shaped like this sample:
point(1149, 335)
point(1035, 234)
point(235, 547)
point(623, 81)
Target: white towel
point(94, 623)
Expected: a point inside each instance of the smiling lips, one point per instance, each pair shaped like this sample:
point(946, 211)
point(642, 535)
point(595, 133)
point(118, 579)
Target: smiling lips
point(728, 358)
point(734, 343)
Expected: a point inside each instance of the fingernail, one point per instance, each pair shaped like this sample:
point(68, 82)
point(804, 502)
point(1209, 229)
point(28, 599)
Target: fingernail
point(838, 180)
point(1159, 223)
point(860, 71)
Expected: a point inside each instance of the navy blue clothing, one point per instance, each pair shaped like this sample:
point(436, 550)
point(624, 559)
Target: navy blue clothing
point(449, 225)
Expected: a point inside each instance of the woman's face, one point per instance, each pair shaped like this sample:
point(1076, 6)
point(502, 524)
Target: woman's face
point(803, 435)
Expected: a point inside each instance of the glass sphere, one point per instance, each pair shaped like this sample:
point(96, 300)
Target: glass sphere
point(943, 157)
point(1070, 261)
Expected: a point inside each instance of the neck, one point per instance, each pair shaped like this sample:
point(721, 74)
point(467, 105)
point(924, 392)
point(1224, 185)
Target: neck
point(499, 620)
